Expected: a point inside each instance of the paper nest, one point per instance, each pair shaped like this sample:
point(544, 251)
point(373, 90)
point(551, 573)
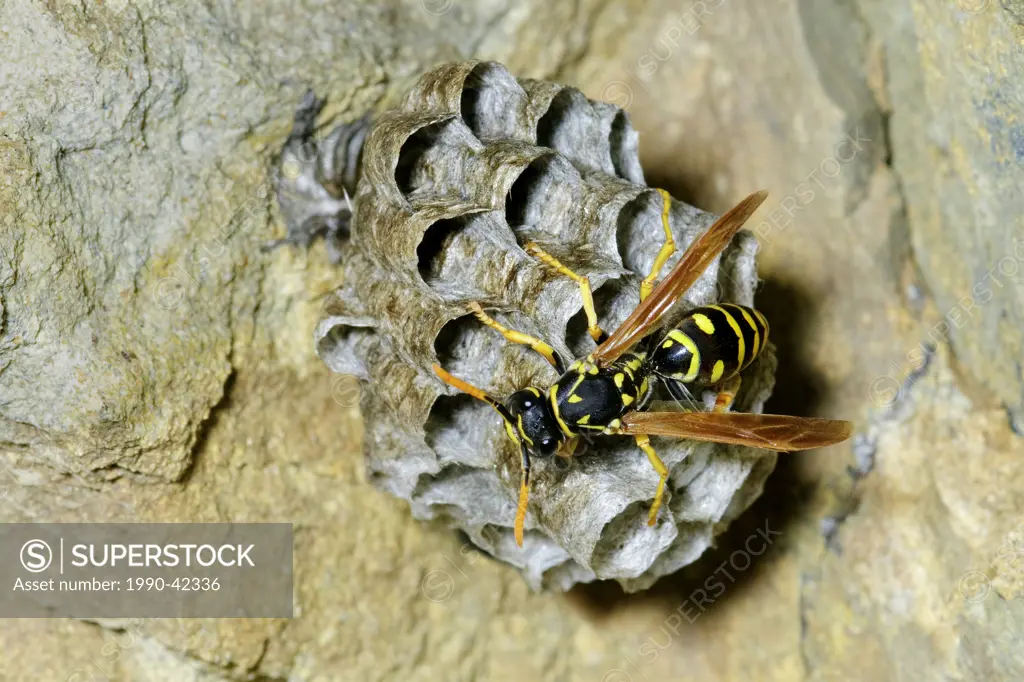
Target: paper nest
point(451, 185)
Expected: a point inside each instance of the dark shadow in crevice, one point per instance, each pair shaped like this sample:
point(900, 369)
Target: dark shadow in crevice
point(447, 419)
point(434, 248)
point(790, 311)
point(622, 147)
point(527, 189)
point(411, 157)
point(693, 190)
point(551, 122)
point(630, 235)
point(539, 198)
point(452, 338)
point(208, 424)
point(491, 102)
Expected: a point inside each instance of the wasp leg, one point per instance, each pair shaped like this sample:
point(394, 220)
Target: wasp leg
point(727, 394)
point(524, 480)
point(586, 294)
point(567, 449)
point(519, 337)
point(524, 495)
point(667, 249)
point(645, 444)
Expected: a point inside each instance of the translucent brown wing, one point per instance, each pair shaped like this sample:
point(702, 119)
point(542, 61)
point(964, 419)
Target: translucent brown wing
point(694, 262)
point(769, 431)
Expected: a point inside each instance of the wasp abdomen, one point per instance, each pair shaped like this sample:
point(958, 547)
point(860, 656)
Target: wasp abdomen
point(711, 344)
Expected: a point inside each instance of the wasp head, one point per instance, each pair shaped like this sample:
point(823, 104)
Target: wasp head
point(533, 422)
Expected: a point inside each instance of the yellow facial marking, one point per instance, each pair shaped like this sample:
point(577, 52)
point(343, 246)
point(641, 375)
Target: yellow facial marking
point(519, 425)
point(553, 395)
point(704, 323)
point(717, 371)
point(584, 420)
point(740, 343)
point(533, 390)
point(757, 336)
point(627, 399)
point(619, 378)
point(511, 432)
point(575, 399)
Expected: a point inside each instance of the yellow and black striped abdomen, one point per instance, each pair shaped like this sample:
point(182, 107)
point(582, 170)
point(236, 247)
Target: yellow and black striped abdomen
point(711, 344)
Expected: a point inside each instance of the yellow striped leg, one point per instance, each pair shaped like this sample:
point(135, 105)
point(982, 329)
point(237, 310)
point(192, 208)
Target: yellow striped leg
point(524, 480)
point(667, 249)
point(518, 337)
point(727, 394)
point(586, 294)
point(524, 496)
point(645, 444)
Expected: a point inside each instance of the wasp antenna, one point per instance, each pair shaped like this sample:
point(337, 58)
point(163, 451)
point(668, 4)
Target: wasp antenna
point(681, 393)
point(470, 389)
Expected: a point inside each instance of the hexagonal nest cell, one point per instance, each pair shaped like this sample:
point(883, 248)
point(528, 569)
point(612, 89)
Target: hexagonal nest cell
point(450, 186)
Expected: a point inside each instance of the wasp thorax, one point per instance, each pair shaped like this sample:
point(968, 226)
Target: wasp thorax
point(534, 421)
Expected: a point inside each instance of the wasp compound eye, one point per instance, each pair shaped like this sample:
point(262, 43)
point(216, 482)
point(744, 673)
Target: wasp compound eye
point(546, 447)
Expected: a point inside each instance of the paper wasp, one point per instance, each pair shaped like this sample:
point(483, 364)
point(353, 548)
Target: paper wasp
point(607, 392)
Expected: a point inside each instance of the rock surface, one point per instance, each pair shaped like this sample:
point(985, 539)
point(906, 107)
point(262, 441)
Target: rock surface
point(156, 365)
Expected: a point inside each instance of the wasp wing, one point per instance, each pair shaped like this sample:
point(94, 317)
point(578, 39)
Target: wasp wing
point(768, 431)
point(694, 262)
